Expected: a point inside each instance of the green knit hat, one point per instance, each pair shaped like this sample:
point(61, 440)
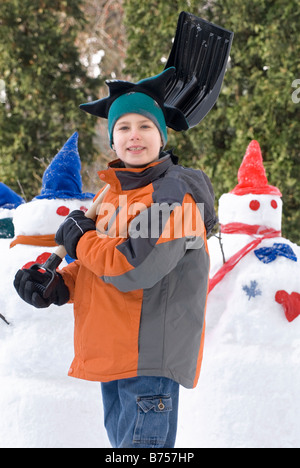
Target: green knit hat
point(137, 103)
point(146, 97)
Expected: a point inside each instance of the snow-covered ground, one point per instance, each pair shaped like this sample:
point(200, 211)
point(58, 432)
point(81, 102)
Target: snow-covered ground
point(249, 389)
point(40, 405)
point(247, 396)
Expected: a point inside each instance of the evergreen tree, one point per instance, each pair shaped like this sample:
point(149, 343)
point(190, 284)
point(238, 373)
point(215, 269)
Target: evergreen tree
point(256, 99)
point(44, 84)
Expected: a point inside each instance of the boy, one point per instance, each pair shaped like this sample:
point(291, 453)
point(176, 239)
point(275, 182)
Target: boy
point(139, 284)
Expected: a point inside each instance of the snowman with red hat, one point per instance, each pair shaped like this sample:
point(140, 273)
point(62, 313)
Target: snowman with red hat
point(40, 406)
point(250, 221)
point(249, 389)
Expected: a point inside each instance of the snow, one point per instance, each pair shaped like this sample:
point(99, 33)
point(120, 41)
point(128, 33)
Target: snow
point(247, 396)
point(92, 61)
point(235, 208)
point(248, 393)
point(46, 218)
point(40, 406)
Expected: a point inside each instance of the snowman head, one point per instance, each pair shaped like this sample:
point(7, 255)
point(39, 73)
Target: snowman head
point(43, 216)
point(253, 209)
point(60, 194)
point(253, 201)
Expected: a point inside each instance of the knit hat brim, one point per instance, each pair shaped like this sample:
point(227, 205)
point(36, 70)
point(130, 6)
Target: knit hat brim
point(62, 178)
point(9, 199)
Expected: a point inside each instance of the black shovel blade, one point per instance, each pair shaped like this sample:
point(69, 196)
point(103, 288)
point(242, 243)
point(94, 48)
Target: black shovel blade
point(200, 54)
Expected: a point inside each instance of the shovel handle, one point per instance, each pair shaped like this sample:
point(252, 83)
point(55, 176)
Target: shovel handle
point(56, 258)
point(92, 211)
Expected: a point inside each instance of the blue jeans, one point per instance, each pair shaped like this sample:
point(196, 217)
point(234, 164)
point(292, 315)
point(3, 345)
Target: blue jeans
point(141, 412)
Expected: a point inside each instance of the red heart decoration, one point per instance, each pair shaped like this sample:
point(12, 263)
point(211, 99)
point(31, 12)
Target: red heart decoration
point(290, 303)
point(41, 259)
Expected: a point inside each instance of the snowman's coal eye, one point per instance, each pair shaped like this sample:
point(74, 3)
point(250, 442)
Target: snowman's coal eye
point(63, 211)
point(254, 205)
point(274, 204)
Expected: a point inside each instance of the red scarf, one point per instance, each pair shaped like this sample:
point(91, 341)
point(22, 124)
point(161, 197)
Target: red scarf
point(239, 228)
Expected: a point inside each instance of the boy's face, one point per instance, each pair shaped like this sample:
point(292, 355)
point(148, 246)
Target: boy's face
point(137, 140)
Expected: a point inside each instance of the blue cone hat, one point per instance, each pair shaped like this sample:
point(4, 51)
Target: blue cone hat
point(8, 198)
point(62, 178)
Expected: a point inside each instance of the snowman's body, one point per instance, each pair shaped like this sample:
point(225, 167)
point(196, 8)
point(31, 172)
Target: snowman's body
point(248, 393)
point(40, 405)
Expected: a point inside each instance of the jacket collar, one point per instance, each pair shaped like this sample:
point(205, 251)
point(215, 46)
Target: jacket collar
point(122, 178)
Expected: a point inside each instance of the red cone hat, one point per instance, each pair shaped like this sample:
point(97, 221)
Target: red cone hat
point(252, 175)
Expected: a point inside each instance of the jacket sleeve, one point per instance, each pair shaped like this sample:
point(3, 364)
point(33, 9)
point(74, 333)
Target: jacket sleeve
point(158, 237)
point(69, 274)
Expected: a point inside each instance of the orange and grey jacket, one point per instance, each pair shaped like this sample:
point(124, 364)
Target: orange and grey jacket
point(139, 286)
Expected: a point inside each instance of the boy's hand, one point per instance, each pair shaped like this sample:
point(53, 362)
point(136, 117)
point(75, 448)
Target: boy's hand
point(31, 284)
point(71, 230)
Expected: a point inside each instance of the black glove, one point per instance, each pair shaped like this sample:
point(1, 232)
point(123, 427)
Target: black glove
point(71, 230)
point(30, 285)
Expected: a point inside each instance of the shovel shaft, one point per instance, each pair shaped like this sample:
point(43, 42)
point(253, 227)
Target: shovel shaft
point(92, 211)
point(56, 258)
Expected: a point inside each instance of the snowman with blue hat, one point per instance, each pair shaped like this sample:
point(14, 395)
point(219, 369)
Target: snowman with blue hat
point(36, 222)
point(39, 405)
point(9, 201)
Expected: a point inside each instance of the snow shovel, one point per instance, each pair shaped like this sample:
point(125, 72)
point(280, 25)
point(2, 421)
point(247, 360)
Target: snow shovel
point(57, 257)
point(200, 54)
